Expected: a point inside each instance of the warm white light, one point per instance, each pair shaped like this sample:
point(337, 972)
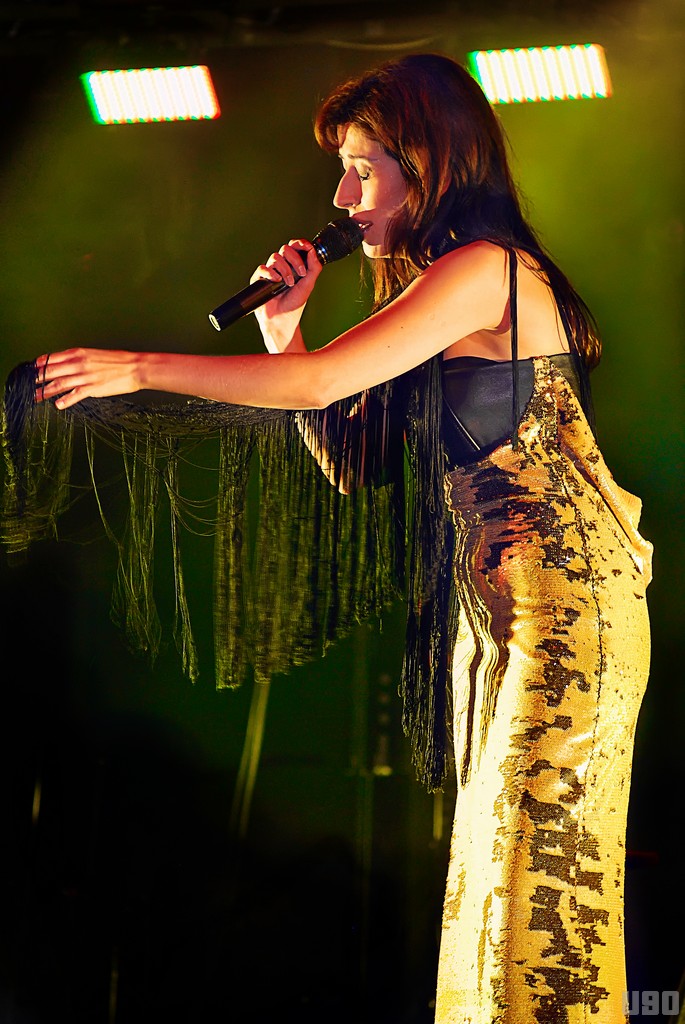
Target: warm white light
point(151, 94)
point(542, 73)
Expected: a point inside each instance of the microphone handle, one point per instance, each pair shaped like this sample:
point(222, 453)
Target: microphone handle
point(247, 300)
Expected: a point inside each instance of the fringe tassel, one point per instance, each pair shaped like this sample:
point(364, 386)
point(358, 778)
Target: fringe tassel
point(231, 561)
point(133, 603)
point(431, 603)
point(183, 632)
point(37, 453)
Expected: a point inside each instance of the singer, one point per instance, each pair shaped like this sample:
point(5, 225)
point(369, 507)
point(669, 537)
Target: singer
point(548, 662)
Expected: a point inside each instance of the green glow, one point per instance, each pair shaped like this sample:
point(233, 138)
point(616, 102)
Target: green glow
point(85, 78)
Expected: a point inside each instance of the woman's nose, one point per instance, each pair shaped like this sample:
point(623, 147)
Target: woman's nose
point(348, 192)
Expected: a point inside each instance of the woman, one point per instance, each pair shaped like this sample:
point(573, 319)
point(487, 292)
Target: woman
point(551, 653)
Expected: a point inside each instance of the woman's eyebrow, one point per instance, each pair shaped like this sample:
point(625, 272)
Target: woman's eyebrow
point(357, 156)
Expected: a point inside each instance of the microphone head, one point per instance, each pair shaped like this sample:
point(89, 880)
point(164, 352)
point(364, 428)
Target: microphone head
point(338, 239)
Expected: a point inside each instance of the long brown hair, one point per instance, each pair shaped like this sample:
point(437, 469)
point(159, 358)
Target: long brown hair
point(428, 113)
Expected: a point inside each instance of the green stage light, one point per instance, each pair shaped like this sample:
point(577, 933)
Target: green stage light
point(151, 94)
point(542, 73)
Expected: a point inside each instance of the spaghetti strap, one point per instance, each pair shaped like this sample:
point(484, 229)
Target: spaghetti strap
point(513, 322)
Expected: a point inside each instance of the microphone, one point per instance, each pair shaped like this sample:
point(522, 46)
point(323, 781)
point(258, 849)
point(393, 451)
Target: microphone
point(338, 239)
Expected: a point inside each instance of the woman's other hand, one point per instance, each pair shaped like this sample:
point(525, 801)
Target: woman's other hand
point(298, 265)
point(78, 373)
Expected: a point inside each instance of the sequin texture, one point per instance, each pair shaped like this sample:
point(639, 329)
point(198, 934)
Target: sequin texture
point(549, 670)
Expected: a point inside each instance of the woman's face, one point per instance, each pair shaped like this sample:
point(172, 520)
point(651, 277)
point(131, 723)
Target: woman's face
point(372, 187)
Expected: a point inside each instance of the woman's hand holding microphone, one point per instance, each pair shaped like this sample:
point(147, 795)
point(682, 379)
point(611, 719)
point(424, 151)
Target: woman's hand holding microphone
point(298, 266)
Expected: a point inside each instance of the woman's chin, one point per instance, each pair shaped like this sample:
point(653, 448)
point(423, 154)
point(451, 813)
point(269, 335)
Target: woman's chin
point(373, 250)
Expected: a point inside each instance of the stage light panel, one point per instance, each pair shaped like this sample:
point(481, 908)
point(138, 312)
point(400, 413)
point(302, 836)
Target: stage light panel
point(151, 94)
point(542, 73)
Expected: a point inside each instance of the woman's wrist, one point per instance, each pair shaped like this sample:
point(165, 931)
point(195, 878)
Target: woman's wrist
point(147, 366)
point(278, 342)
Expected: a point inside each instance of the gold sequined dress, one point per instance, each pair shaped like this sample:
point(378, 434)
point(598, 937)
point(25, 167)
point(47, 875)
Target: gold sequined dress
point(549, 670)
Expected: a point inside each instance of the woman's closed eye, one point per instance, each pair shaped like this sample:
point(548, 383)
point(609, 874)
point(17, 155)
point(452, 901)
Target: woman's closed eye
point(363, 176)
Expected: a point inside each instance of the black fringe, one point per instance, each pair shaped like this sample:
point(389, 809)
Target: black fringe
point(317, 560)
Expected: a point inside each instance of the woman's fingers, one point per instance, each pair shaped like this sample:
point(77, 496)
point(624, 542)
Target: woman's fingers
point(59, 362)
point(296, 253)
point(52, 374)
point(63, 389)
point(275, 269)
point(283, 268)
point(289, 264)
point(78, 373)
point(47, 360)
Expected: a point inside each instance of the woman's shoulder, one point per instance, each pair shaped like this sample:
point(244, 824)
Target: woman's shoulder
point(475, 271)
point(486, 263)
point(464, 290)
point(478, 250)
point(487, 254)
point(480, 262)
point(482, 268)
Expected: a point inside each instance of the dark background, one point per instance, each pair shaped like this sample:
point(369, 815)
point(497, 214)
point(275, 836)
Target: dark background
point(128, 894)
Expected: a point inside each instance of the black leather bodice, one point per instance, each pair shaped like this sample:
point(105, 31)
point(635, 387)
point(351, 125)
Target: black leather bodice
point(478, 401)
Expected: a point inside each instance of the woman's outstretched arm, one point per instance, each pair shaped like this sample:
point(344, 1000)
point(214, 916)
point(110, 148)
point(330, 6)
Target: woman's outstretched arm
point(463, 292)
